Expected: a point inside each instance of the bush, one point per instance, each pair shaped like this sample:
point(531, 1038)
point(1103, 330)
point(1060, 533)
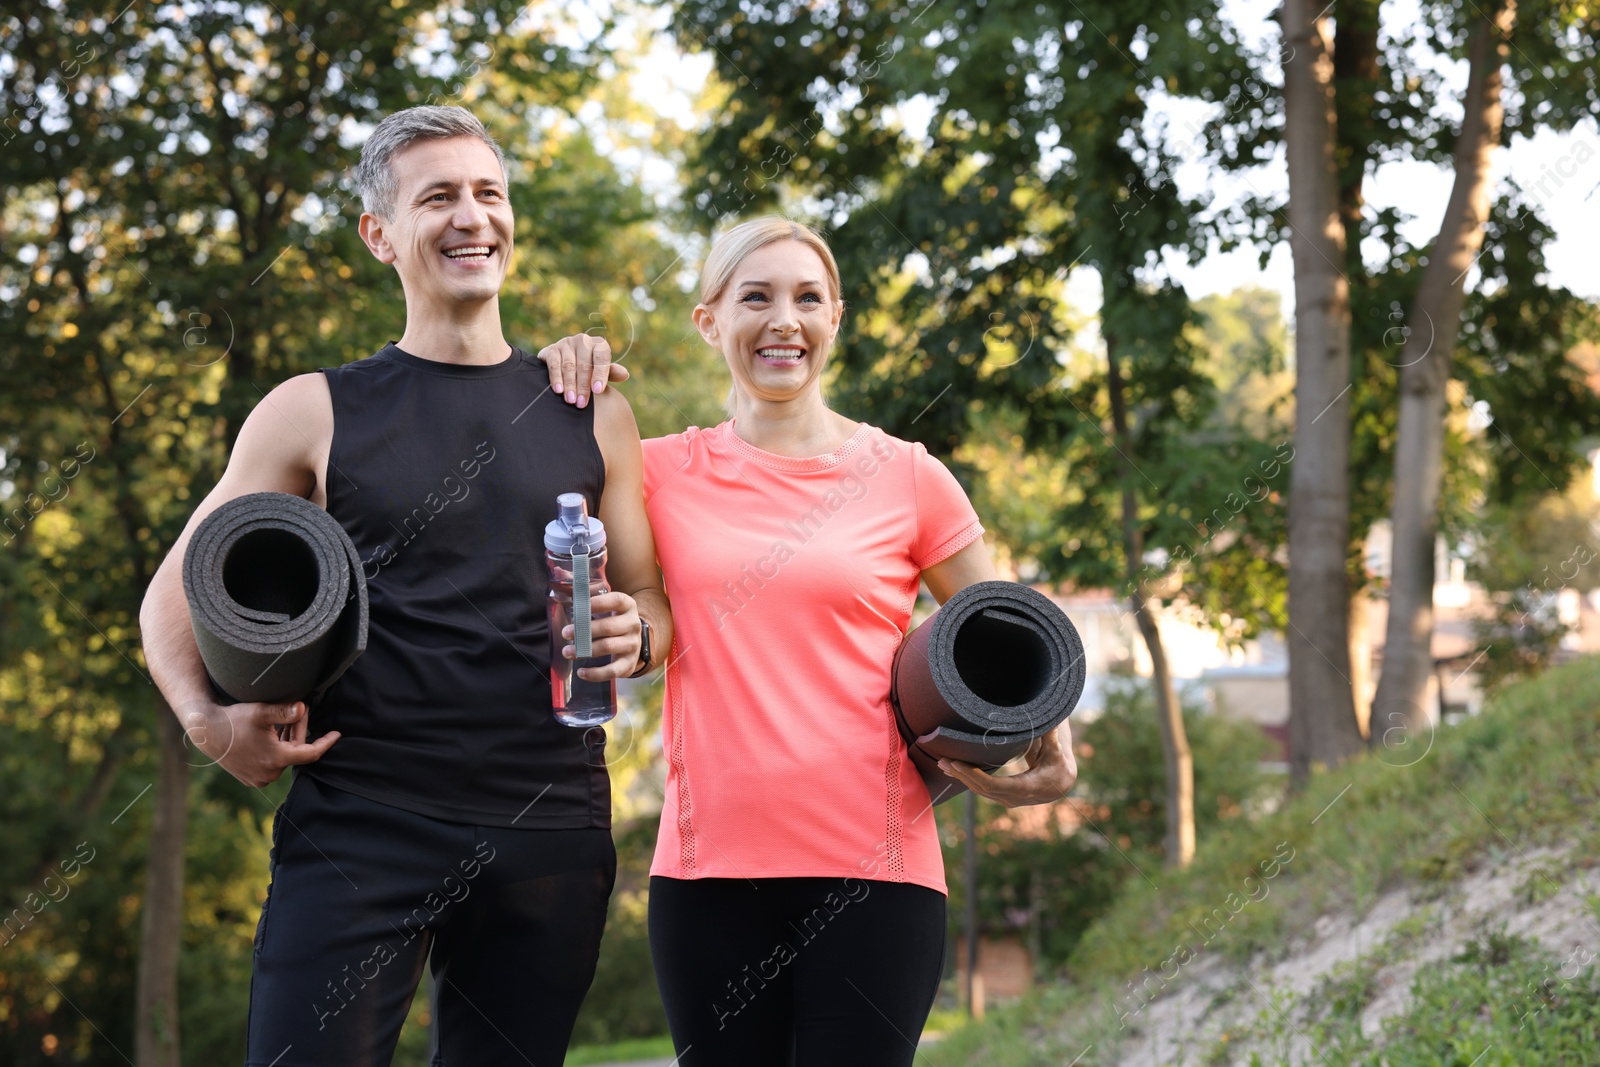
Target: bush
point(1049, 886)
point(1519, 637)
point(1123, 770)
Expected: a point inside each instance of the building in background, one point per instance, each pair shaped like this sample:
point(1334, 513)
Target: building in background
point(1251, 680)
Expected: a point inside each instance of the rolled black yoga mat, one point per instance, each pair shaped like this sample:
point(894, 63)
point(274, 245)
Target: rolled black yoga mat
point(996, 666)
point(276, 596)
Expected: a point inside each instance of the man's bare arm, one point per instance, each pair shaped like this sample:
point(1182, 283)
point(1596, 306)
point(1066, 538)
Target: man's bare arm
point(631, 565)
point(282, 447)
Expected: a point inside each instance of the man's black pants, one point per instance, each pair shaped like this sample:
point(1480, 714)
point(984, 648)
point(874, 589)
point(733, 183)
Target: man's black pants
point(363, 893)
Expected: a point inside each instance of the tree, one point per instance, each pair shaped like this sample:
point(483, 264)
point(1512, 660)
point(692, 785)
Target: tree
point(1523, 43)
point(1426, 351)
point(955, 244)
point(179, 239)
point(1322, 723)
point(1383, 102)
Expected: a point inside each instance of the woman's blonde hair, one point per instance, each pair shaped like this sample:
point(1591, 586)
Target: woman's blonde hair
point(729, 250)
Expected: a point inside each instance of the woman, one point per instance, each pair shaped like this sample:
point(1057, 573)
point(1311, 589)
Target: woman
point(797, 896)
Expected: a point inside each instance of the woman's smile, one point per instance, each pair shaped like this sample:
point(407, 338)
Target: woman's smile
point(781, 355)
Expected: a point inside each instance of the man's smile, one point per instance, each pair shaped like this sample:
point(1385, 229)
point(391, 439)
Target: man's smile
point(475, 253)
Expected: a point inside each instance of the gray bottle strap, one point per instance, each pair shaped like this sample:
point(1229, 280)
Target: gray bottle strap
point(581, 645)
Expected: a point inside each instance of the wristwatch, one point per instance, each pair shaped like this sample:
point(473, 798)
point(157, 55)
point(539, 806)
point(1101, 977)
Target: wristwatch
point(644, 649)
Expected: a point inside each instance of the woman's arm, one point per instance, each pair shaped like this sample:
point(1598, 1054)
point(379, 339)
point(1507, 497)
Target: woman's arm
point(970, 566)
point(1052, 769)
point(579, 363)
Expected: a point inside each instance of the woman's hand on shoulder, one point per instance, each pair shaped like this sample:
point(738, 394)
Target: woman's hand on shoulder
point(1052, 770)
point(578, 364)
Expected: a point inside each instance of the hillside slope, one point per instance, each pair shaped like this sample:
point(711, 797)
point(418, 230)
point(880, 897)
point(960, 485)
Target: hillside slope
point(1434, 903)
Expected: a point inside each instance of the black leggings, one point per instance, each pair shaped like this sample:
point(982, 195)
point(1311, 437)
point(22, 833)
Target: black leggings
point(801, 971)
point(363, 894)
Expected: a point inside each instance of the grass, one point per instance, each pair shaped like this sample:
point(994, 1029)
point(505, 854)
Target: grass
point(1523, 774)
point(1503, 1002)
point(643, 1048)
point(943, 1020)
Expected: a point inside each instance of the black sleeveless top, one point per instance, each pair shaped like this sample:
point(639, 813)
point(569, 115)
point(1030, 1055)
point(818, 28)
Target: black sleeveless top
point(444, 477)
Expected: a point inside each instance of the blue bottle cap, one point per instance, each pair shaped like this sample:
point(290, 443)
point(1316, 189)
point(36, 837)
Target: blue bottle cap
point(573, 525)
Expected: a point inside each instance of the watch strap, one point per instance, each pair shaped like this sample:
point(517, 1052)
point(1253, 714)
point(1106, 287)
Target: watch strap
point(646, 653)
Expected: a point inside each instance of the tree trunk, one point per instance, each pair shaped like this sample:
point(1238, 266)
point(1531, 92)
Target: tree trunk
point(1358, 78)
point(1179, 844)
point(1322, 721)
point(969, 823)
point(1357, 74)
point(156, 1022)
point(1424, 358)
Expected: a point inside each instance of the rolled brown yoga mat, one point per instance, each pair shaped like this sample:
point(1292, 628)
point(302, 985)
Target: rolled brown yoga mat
point(277, 598)
point(996, 666)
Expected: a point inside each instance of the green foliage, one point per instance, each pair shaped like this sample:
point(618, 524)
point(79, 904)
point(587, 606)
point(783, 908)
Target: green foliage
point(1122, 771)
point(1518, 637)
point(1245, 348)
point(226, 882)
point(1523, 771)
point(1516, 334)
point(1046, 889)
point(1540, 548)
point(83, 944)
point(1502, 1000)
point(1525, 554)
point(955, 243)
point(180, 238)
point(643, 1048)
point(1516, 328)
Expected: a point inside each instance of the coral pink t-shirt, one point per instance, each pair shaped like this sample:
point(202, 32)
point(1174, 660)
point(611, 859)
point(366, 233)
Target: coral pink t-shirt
point(791, 583)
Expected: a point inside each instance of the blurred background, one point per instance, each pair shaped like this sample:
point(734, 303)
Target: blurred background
point(1068, 239)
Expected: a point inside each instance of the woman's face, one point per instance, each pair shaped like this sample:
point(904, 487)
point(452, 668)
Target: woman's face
point(775, 321)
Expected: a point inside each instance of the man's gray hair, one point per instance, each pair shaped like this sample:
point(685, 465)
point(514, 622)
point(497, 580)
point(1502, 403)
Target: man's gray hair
point(375, 177)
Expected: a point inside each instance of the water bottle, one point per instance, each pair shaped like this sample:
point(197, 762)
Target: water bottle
point(575, 553)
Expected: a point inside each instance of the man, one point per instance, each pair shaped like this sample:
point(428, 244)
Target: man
point(440, 812)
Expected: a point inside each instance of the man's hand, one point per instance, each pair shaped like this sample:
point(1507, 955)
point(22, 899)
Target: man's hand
point(253, 742)
point(1052, 770)
point(580, 363)
point(617, 635)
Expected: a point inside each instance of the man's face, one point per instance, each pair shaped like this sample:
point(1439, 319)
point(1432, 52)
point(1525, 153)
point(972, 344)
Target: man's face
point(450, 237)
